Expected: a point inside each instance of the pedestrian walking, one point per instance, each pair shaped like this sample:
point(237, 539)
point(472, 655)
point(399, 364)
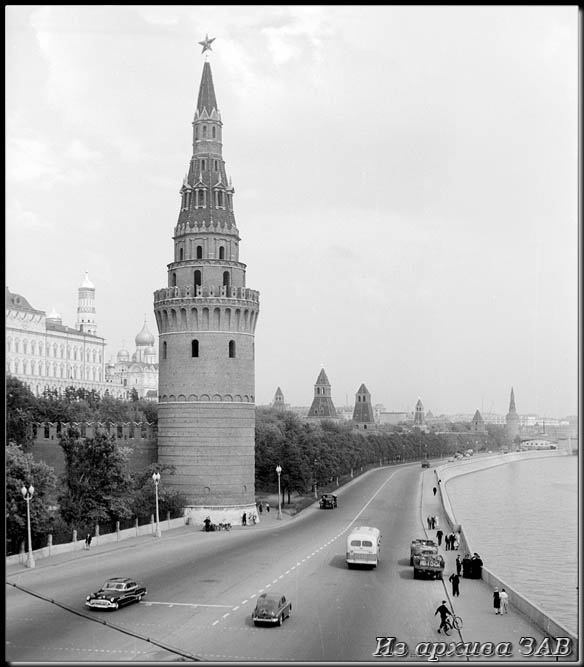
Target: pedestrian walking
point(433, 522)
point(434, 490)
point(447, 542)
point(88, 541)
point(497, 601)
point(458, 565)
point(439, 534)
point(436, 524)
point(504, 597)
point(455, 580)
point(260, 508)
point(267, 507)
point(429, 520)
point(244, 519)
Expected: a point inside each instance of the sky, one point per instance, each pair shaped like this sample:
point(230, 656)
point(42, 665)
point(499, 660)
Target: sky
point(405, 187)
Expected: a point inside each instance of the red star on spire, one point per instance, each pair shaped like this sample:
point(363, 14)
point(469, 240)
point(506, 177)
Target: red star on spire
point(206, 43)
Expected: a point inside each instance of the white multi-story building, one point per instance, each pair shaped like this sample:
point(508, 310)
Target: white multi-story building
point(44, 353)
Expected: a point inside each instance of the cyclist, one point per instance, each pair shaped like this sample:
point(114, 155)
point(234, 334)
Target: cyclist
point(444, 614)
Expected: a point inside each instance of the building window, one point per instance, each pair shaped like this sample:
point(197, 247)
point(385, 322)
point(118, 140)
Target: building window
point(197, 132)
point(214, 132)
point(180, 254)
point(195, 348)
point(203, 165)
point(201, 198)
point(215, 164)
point(174, 280)
point(204, 133)
point(221, 252)
point(164, 350)
point(198, 279)
point(226, 278)
point(232, 349)
point(199, 252)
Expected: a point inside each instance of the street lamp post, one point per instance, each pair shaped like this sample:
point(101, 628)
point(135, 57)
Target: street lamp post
point(156, 478)
point(27, 495)
point(279, 470)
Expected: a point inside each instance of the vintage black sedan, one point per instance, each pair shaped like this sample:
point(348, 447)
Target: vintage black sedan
point(271, 608)
point(328, 501)
point(115, 593)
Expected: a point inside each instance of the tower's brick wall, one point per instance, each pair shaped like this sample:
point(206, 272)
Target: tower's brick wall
point(209, 443)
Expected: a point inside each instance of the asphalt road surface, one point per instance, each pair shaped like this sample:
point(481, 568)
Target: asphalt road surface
point(202, 588)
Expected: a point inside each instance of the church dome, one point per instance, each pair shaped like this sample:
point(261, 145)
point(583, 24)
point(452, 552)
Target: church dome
point(145, 338)
point(123, 355)
point(54, 316)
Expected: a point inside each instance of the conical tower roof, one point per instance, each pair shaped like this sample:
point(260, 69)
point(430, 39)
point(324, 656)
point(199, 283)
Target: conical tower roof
point(207, 100)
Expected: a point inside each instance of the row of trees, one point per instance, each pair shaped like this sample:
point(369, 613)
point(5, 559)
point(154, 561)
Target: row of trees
point(319, 453)
point(74, 404)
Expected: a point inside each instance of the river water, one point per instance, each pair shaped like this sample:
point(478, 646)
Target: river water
point(522, 518)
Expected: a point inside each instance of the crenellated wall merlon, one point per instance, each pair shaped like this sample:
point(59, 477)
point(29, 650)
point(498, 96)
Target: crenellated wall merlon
point(169, 294)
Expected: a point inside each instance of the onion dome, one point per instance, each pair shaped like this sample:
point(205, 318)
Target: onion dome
point(123, 354)
point(145, 338)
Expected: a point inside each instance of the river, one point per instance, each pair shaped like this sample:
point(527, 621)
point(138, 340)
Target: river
point(522, 517)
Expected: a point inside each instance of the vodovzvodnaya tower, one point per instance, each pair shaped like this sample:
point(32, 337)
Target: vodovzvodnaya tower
point(206, 318)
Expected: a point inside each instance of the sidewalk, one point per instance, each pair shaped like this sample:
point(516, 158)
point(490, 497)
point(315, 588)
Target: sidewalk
point(475, 603)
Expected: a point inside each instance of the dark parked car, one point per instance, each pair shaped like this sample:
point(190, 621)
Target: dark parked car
point(115, 593)
point(425, 464)
point(328, 501)
point(271, 608)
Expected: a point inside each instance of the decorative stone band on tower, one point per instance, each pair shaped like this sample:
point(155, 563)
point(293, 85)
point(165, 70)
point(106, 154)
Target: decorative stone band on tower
point(206, 319)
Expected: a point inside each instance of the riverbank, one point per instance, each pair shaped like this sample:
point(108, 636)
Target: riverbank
point(445, 473)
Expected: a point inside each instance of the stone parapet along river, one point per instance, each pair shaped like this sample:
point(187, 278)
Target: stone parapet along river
point(493, 526)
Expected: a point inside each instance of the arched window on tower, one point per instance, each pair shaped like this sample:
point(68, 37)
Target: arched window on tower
point(215, 164)
point(204, 133)
point(164, 350)
point(195, 348)
point(232, 349)
point(173, 280)
point(226, 278)
point(197, 132)
point(200, 199)
point(198, 280)
point(214, 132)
point(181, 254)
point(221, 252)
point(199, 252)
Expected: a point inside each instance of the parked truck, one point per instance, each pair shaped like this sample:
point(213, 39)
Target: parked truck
point(428, 564)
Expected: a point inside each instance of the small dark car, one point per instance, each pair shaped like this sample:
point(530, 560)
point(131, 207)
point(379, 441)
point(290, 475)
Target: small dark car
point(271, 608)
point(425, 464)
point(328, 501)
point(115, 593)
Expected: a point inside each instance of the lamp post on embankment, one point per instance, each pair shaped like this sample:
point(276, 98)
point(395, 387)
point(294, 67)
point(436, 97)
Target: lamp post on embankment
point(156, 478)
point(278, 471)
point(27, 494)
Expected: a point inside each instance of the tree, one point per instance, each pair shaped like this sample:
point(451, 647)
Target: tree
point(20, 413)
point(96, 486)
point(144, 495)
point(21, 469)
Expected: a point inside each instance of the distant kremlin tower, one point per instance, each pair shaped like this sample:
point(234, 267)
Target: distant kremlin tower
point(322, 404)
point(512, 420)
point(206, 319)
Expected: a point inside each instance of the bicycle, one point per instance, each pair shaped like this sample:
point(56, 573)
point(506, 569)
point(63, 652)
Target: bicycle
point(452, 623)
